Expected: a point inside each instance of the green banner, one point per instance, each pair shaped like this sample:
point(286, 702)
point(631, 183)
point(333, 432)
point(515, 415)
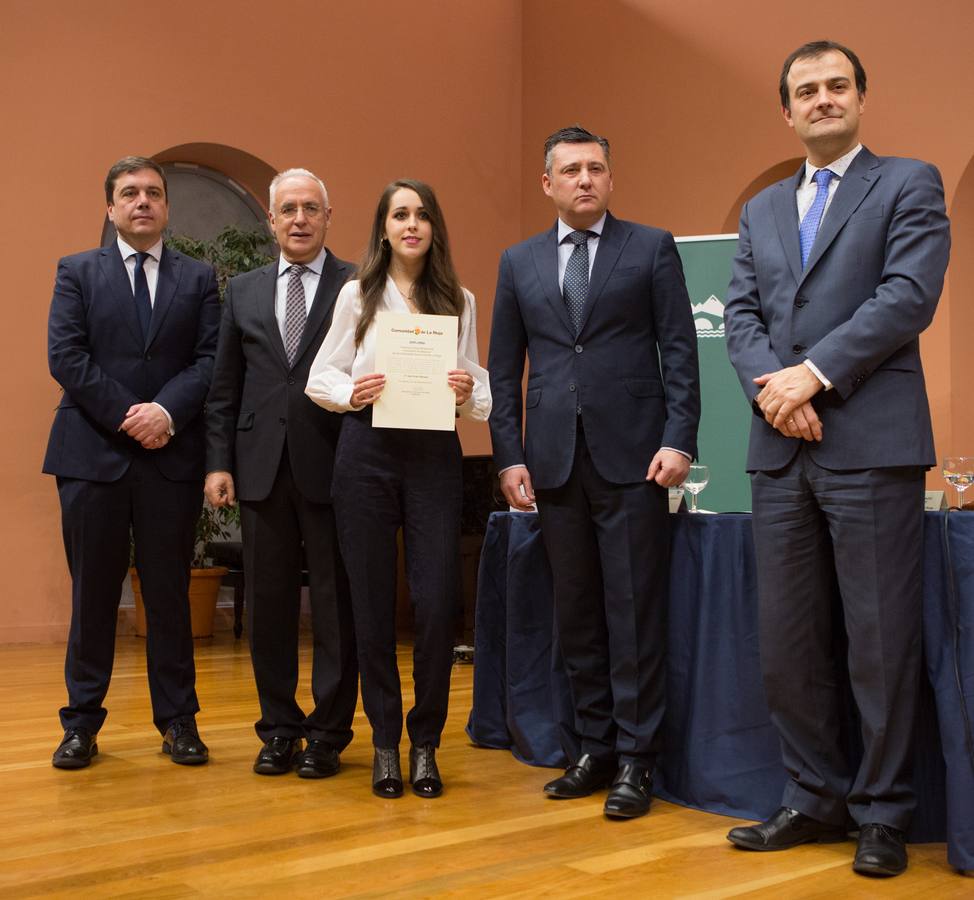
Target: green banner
point(725, 418)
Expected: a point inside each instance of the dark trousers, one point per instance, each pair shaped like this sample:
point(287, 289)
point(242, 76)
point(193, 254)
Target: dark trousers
point(386, 479)
point(608, 545)
point(273, 531)
point(97, 519)
point(819, 533)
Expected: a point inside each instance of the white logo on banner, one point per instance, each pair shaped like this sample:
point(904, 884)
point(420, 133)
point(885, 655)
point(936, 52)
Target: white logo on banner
point(708, 318)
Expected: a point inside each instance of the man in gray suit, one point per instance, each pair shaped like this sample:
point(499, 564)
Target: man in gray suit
point(839, 268)
point(271, 448)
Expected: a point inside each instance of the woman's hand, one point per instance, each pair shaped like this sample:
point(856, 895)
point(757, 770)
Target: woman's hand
point(366, 390)
point(461, 382)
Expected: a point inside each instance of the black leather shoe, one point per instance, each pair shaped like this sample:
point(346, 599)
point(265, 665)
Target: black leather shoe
point(318, 760)
point(579, 780)
point(424, 775)
point(182, 742)
point(386, 774)
point(277, 756)
point(76, 749)
point(631, 792)
point(786, 828)
point(881, 851)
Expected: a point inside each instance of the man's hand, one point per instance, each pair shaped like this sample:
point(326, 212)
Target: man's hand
point(784, 391)
point(147, 424)
point(803, 423)
point(218, 489)
point(668, 468)
point(511, 482)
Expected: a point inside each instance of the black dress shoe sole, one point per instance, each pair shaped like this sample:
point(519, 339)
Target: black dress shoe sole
point(873, 870)
point(572, 794)
point(71, 762)
point(824, 838)
point(316, 771)
point(193, 760)
point(268, 768)
point(625, 813)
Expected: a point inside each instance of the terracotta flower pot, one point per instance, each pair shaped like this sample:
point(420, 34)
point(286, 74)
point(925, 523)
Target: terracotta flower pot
point(204, 589)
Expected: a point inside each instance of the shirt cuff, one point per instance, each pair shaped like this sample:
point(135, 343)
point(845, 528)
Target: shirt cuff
point(815, 371)
point(677, 450)
point(508, 468)
point(172, 430)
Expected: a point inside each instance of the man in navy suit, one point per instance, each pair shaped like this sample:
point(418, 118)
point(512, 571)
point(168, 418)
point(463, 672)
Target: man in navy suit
point(270, 447)
point(600, 307)
point(839, 268)
point(131, 339)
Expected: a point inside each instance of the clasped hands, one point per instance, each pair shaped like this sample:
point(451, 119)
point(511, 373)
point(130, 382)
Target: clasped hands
point(367, 389)
point(147, 424)
point(785, 400)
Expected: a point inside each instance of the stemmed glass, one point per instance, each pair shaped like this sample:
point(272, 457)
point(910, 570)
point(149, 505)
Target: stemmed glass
point(696, 481)
point(959, 471)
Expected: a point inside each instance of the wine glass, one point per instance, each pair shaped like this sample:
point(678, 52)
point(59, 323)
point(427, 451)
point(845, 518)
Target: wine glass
point(959, 471)
point(696, 481)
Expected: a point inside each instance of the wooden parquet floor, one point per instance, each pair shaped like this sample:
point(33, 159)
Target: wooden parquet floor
point(135, 825)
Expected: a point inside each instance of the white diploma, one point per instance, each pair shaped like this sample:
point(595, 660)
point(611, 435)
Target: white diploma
point(415, 353)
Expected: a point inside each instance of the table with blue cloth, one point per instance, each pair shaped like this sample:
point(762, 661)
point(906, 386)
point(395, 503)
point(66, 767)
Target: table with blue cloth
point(721, 753)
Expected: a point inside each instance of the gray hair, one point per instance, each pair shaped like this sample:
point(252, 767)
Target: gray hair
point(294, 173)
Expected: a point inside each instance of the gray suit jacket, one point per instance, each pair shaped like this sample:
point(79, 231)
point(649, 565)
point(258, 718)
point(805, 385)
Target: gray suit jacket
point(871, 285)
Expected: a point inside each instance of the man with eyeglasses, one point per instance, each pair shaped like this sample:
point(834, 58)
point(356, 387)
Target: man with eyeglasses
point(272, 449)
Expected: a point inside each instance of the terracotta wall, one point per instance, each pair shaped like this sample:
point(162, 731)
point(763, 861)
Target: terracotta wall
point(458, 92)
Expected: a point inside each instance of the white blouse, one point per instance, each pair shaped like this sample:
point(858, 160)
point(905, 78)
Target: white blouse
point(340, 363)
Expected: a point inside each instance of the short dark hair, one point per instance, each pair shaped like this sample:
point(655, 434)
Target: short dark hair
point(813, 50)
point(132, 164)
point(574, 134)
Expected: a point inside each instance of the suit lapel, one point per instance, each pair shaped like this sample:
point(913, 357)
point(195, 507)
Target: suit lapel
point(333, 278)
point(545, 252)
point(113, 268)
point(170, 267)
point(266, 300)
point(613, 239)
point(858, 181)
point(785, 207)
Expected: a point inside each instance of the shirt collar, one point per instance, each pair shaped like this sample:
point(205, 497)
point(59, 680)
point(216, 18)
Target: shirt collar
point(316, 265)
point(839, 167)
point(155, 251)
point(565, 230)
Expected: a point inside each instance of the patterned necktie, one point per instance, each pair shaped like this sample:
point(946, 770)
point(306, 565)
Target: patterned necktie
point(143, 301)
point(575, 286)
point(295, 312)
point(813, 218)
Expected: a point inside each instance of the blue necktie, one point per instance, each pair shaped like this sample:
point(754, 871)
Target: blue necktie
point(813, 218)
point(143, 302)
point(575, 286)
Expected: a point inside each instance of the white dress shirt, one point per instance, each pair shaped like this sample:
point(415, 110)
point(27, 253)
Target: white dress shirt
point(340, 363)
point(309, 279)
point(805, 197)
point(151, 269)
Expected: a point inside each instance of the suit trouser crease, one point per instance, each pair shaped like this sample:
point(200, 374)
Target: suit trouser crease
point(386, 479)
point(828, 540)
point(608, 546)
point(281, 534)
point(97, 520)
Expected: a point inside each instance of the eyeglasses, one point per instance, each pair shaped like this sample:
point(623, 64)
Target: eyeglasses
point(311, 211)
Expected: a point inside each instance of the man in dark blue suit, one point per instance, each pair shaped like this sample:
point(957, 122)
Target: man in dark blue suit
point(839, 268)
point(600, 307)
point(131, 339)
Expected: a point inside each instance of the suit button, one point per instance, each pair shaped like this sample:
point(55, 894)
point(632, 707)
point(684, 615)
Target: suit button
point(578, 348)
point(290, 381)
point(571, 387)
point(800, 302)
point(282, 421)
point(798, 348)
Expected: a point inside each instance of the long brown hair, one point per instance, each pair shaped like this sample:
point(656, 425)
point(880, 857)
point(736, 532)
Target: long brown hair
point(438, 290)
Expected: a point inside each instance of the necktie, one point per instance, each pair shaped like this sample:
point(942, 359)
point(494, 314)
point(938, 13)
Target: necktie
point(295, 312)
point(813, 218)
point(143, 302)
point(575, 286)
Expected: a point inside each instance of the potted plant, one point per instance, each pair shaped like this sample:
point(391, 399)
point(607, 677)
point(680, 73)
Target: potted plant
point(232, 252)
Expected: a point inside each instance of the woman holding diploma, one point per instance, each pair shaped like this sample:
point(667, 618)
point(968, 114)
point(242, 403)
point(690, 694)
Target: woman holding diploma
point(391, 477)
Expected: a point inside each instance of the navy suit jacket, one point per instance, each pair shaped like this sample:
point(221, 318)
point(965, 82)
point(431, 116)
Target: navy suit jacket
point(97, 353)
point(631, 370)
point(871, 285)
point(257, 401)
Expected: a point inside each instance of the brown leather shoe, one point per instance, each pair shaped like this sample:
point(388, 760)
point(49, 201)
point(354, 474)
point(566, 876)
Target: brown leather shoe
point(581, 779)
point(785, 829)
point(76, 749)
